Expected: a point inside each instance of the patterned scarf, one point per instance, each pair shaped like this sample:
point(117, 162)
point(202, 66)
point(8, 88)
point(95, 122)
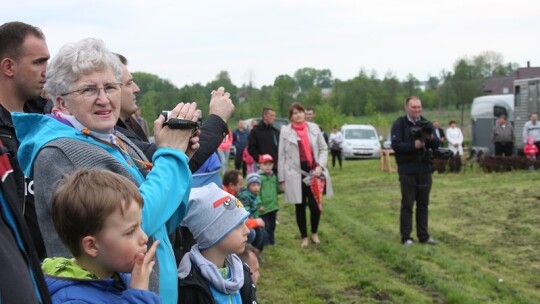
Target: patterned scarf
point(212, 273)
point(302, 131)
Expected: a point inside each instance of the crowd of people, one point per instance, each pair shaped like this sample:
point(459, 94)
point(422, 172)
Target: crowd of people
point(93, 211)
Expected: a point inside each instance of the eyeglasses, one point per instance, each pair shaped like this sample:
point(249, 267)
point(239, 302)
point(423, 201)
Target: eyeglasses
point(88, 92)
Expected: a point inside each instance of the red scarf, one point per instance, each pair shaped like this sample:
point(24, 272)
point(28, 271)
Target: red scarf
point(302, 131)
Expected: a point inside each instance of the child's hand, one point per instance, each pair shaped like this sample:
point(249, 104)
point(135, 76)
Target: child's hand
point(140, 275)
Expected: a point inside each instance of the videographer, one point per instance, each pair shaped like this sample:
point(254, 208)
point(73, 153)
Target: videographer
point(413, 140)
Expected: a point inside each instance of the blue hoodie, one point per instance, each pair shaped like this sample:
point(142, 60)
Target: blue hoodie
point(69, 283)
point(165, 189)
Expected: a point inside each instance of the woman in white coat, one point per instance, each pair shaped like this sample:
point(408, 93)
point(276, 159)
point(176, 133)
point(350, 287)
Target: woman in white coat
point(302, 148)
point(455, 138)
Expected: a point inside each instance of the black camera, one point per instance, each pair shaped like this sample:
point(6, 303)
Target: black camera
point(178, 123)
point(422, 129)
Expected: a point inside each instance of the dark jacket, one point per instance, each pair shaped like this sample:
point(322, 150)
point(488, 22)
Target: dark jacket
point(24, 190)
point(195, 289)
point(264, 139)
point(18, 257)
point(132, 125)
point(441, 134)
point(409, 159)
point(213, 130)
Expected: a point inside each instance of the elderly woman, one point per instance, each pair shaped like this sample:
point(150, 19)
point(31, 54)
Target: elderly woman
point(84, 82)
point(302, 151)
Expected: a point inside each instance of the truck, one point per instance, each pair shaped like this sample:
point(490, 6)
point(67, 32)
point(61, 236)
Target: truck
point(484, 113)
point(517, 108)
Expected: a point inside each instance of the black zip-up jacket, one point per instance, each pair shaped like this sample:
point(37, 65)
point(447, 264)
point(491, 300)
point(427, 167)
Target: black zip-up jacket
point(17, 253)
point(24, 191)
point(263, 139)
point(195, 289)
point(409, 159)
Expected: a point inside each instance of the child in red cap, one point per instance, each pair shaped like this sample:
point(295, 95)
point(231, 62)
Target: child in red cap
point(269, 197)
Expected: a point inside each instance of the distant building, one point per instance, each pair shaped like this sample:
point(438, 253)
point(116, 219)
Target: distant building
point(325, 92)
point(505, 85)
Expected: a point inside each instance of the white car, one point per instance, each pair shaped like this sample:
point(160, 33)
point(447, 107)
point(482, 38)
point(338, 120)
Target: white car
point(360, 141)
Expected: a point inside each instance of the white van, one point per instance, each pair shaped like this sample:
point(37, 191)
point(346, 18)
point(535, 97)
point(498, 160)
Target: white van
point(360, 141)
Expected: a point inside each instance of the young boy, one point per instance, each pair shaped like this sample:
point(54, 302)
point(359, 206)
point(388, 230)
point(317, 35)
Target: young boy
point(249, 196)
point(211, 272)
point(97, 215)
point(250, 256)
point(269, 197)
point(232, 181)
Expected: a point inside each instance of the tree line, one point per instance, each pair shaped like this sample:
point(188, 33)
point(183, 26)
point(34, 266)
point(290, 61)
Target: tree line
point(334, 99)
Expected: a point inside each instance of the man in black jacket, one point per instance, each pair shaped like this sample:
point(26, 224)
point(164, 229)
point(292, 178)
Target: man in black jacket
point(413, 139)
point(21, 279)
point(23, 63)
point(264, 137)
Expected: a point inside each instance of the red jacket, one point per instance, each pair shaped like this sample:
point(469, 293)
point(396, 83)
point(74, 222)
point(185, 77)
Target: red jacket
point(530, 150)
point(227, 142)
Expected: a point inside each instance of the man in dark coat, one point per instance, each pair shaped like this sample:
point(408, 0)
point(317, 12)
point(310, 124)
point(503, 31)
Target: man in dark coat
point(23, 62)
point(264, 137)
point(413, 145)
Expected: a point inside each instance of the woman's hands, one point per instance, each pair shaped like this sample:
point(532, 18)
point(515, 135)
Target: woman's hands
point(144, 264)
point(186, 140)
point(318, 171)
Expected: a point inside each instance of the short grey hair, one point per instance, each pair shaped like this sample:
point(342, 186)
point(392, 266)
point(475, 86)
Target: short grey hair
point(76, 59)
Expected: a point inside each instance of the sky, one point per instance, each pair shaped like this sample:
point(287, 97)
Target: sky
point(191, 42)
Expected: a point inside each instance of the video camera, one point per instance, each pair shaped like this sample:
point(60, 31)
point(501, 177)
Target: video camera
point(176, 123)
point(422, 129)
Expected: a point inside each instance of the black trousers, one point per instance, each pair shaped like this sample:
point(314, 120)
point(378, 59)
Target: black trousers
point(270, 227)
point(308, 200)
point(414, 188)
point(505, 149)
point(239, 163)
point(336, 153)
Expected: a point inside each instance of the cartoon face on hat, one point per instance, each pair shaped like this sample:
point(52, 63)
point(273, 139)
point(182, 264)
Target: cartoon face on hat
point(229, 202)
point(212, 214)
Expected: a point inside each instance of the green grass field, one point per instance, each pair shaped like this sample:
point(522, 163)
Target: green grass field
point(488, 226)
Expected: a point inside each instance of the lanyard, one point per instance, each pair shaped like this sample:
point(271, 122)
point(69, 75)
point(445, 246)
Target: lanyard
point(121, 147)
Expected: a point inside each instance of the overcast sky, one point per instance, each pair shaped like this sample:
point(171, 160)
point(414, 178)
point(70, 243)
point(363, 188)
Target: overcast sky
point(191, 41)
